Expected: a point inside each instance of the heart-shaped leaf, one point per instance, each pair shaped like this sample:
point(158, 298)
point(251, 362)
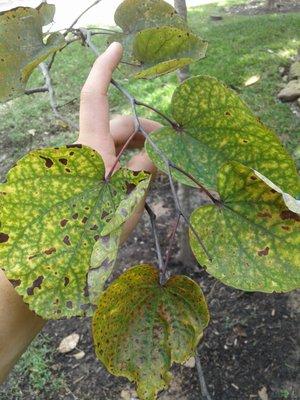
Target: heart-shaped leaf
point(23, 48)
point(52, 211)
point(140, 327)
point(216, 126)
point(155, 38)
point(253, 235)
point(135, 15)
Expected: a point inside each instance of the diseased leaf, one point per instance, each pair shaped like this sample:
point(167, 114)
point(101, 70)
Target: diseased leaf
point(52, 211)
point(23, 48)
point(103, 260)
point(165, 49)
point(126, 207)
point(140, 327)
point(105, 250)
point(217, 127)
point(135, 15)
point(155, 38)
point(253, 236)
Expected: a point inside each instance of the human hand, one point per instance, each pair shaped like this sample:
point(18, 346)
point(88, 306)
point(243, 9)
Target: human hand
point(108, 137)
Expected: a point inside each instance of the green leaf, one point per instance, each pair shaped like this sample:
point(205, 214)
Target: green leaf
point(140, 327)
point(165, 49)
point(156, 39)
point(134, 15)
point(216, 126)
point(105, 250)
point(52, 211)
point(23, 48)
point(253, 236)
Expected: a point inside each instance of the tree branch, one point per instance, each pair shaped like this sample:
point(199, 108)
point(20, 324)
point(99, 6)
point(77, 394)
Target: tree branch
point(41, 89)
point(53, 102)
point(171, 242)
point(204, 390)
point(162, 275)
point(78, 18)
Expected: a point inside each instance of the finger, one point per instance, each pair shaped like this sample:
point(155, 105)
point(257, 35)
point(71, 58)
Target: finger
point(121, 127)
point(141, 162)
point(94, 108)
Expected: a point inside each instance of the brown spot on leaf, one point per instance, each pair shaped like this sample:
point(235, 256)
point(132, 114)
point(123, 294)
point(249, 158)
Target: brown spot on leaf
point(50, 251)
point(3, 237)
point(288, 214)
point(67, 170)
point(66, 281)
point(69, 146)
point(129, 188)
point(48, 161)
point(63, 222)
point(104, 214)
point(254, 178)
point(228, 113)
point(71, 153)
point(286, 228)
point(86, 291)
point(96, 237)
point(66, 240)
point(75, 216)
point(84, 307)
point(15, 282)
point(69, 304)
point(84, 220)
point(94, 228)
point(36, 284)
point(263, 252)
point(265, 214)
point(64, 161)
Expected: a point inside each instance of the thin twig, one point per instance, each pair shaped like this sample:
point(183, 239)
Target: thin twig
point(171, 242)
point(78, 18)
point(172, 123)
point(121, 152)
point(41, 89)
point(162, 275)
point(52, 97)
point(69, 30)
point(204, 391)
point(204, 190)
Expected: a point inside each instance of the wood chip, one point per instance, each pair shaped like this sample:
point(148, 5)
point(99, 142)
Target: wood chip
point(190, 363)
point(68, 343)
point(79, 355)
point(252, 80)
point(262, 393)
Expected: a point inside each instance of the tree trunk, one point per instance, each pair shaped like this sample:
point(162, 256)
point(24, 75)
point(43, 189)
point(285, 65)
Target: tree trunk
point(185, 254)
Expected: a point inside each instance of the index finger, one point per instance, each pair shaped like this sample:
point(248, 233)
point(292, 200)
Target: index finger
point(94, 107)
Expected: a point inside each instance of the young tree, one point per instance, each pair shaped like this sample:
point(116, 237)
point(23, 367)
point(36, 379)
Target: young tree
point(64, 210)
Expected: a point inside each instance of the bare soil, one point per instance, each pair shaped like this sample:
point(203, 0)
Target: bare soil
point(252, 341)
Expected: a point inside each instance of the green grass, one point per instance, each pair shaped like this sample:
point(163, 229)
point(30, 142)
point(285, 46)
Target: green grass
point(239, 47)
point(33, 375)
